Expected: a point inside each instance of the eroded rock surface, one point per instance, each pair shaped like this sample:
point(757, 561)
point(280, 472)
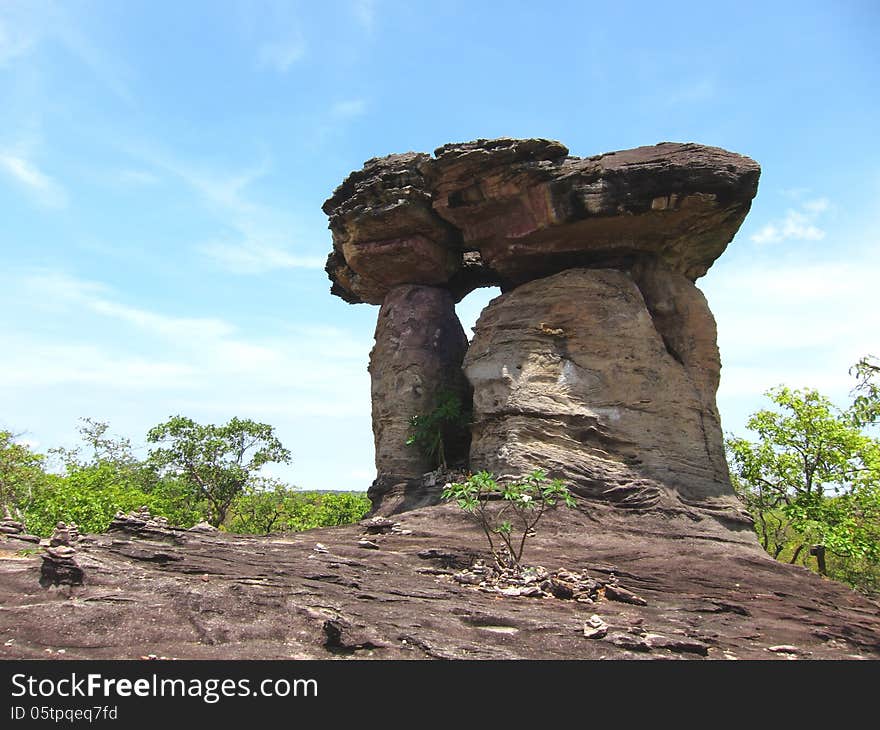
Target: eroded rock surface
point(419, 348)
point(699, 593)
point(599, 362)
point(506, 211)
point(571, 374)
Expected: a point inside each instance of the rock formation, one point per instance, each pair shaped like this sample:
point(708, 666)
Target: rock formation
point(616, 585)
point(419, 349)
point(59, 565)
point(598, 362)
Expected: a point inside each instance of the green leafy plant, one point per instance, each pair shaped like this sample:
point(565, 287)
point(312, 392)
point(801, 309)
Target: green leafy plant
point(274, 507)
point(21, 472)
point(811, 481)
point(508, 514)
point(432, 432)
point(217, 462)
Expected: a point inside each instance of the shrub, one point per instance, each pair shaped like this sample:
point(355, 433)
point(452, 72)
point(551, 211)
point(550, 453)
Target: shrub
point(433, 432)
point(284, 509)
point(522, 504)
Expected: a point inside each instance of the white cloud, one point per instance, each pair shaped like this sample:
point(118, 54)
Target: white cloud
point(38, 184)
point(263, 236)
point(15, 39)
point(365, 14)
point(691, 92)
point(254, 258)
point(814, 207)
point(136, 177)
point(77, 348)
point(281, 55)
point(349, 108)
point(799, 225)
point(25, 25)
point(798, 323)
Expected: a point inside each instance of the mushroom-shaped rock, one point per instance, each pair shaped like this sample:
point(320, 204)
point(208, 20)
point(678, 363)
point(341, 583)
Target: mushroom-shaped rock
point(507, 211)
point(386, 233)
point(598, 363)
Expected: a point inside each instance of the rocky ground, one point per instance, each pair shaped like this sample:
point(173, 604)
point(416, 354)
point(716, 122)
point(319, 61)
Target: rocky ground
point(615, 585)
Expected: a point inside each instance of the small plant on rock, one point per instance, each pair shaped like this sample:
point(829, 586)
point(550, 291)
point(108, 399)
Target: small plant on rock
point(518, 509)
point(431, 432)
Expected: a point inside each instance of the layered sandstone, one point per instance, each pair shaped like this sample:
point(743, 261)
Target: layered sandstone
point(599, 361)
point(506, 211)
point(419, 349)
point(572, 374)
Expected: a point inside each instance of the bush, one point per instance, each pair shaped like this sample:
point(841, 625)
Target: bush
point(524, 502)
point(438, 431)
point(259, 511)
point(91, 496)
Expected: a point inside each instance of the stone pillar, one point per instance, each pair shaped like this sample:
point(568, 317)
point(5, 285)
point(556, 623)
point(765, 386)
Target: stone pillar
point(573, 375)
point(419, 348)
point(687, 327)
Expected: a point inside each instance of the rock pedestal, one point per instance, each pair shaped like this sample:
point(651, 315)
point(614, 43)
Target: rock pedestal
point(572, 374)
point(417, 357)
point(598, 363)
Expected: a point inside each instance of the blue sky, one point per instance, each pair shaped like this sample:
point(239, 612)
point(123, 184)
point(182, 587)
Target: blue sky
point(163, 164)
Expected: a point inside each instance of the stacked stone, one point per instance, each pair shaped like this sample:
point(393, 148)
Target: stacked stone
point(12, 527)
point(73, 531)
point(203, 527)
point(59, 561)
point(60, 535)
point(598, 362)
point(9, 526)
point(138, 520)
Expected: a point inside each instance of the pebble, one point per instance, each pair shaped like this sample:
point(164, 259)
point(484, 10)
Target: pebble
point(784, 649)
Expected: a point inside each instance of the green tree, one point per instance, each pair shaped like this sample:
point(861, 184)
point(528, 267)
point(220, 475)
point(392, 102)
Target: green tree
point(217, 462)
point(21, 471)
point(866, 406)
point(811, 480)
point(274, 507)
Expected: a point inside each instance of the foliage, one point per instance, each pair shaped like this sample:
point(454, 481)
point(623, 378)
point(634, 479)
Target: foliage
point(522, 504)
point(95, 486)
point(217, 462)
point(274, 507)
point(21, 471)
point(91, 496)
point(866, 406)
point(432, 432)
point(104, 476)
point(811, 478)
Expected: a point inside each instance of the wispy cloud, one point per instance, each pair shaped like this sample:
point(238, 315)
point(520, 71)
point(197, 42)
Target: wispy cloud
point(802, 323)
point(24, 26)
point(275, 27)
point(349, 108)
point(692, 91)
point(365, 14)
point(797, 224)
point(281, 55)
point(16, 38)
point(192, 350)
point(249, 257)
point(262, 238)
point(78, 347)
point(38, 184)
point(135, 177)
